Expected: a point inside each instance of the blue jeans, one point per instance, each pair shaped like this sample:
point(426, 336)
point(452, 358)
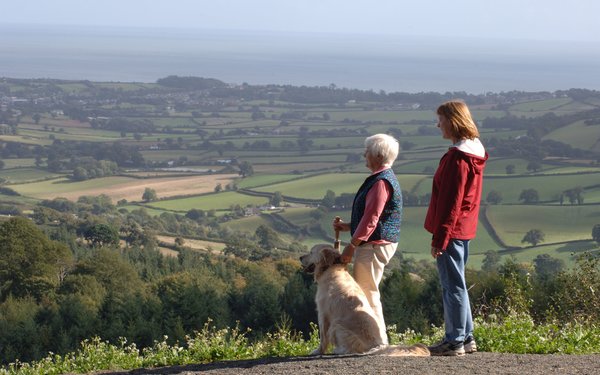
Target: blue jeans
point(457, 308)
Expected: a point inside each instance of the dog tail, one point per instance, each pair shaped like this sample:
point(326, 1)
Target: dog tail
point(417, 350)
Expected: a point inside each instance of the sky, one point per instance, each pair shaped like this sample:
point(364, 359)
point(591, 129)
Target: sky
point(552, 20)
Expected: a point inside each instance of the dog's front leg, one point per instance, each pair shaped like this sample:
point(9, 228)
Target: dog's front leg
point(323, 336)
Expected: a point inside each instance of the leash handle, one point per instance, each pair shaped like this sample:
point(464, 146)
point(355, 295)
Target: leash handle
point(337, 243)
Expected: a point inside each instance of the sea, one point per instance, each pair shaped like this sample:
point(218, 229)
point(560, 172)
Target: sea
point(368, 62)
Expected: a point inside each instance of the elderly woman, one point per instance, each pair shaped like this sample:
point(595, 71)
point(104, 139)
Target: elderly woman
point(375, 220)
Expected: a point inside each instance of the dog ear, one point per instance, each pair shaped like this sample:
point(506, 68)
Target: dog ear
point(330, 255)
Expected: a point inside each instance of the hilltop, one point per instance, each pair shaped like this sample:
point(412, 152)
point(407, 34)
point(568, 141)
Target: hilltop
point(479, 363)
point(150, 210)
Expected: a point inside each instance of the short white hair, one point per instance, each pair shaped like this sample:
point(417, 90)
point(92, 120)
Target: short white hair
point(384, 146)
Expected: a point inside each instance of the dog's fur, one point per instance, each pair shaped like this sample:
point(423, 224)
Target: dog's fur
point(346, 319)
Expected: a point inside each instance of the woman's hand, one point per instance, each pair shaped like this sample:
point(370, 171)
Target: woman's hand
point(436, 252)
point(340, 226)
point(347, 254)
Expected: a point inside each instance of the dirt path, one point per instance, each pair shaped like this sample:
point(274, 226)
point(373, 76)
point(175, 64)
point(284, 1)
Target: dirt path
point(478, 363)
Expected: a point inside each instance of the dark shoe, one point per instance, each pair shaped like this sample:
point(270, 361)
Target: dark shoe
point(446, 348)
point(470, 345)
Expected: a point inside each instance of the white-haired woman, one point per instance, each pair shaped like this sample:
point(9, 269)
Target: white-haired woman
point(375, 220)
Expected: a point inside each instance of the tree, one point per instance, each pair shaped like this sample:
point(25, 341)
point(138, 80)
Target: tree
point(30, 263)
point(534, 237)
point(195, 214)
point(246, 169)
point(596, 233)
point(407, 145)
point(257, 304)
point(277, 199)
point(267, 237)
point(329, 199)
point(149, 195)
point(36, 118)
point(218, 188)
point(304, 144)
point(494, 197)
point(529, 196)
point(317, 213)
point(80, 174)
point(491, 261)
point(575, 195)
point(534, 166)
point(510, 169)
point(101, 235)
point(546, 265)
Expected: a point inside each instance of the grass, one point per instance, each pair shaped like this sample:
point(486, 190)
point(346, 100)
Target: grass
point(540, 106)
point(218, 201)
point(549, 187)
point(25, 175)
point(263, 180)
point(315, 187)
point(18, 163)
point(249, 224)
point(558, 223)
point(578, 135)
point(566, 252)
point(515, 333)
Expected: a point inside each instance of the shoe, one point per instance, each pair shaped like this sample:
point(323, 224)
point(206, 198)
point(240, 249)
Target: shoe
point(446, 348)
point(470, 345)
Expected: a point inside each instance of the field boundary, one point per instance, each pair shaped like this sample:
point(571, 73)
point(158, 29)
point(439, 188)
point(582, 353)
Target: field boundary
point(493, 234)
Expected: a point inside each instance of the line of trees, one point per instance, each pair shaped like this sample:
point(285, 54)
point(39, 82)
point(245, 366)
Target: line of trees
point(56, 290)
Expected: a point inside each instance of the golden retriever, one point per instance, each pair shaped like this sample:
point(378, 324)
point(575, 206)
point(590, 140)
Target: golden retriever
point(346, 320)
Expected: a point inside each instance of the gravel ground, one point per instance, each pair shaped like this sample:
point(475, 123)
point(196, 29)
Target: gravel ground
point(477, 363)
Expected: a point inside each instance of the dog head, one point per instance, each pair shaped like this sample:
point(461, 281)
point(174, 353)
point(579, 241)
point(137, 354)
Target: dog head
point(319, 259)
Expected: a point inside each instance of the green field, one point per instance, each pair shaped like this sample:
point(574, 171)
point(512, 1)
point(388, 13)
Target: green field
point(264, 180)
point(24, 175)
point(549, 187)
point(315, 187)
point(558, 223)
point(541, 105)
point(215, 201)
point(578, 135)
point(566, 252)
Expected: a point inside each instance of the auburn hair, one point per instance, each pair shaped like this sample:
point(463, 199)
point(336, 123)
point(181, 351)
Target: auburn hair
point(459, 116)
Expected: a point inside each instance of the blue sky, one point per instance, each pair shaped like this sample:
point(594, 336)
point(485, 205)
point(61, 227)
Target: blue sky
point(575, 20)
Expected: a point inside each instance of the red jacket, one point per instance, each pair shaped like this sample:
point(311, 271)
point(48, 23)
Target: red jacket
point(455, 198)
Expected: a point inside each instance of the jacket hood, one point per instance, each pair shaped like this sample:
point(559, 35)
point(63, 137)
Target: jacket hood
point(471, 146)
point(473, 151)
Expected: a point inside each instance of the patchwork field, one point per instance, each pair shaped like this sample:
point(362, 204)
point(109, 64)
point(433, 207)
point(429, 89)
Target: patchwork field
point(118, 188)
point(302, 150)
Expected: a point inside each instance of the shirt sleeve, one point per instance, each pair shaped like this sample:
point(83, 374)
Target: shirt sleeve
point(376, 199)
